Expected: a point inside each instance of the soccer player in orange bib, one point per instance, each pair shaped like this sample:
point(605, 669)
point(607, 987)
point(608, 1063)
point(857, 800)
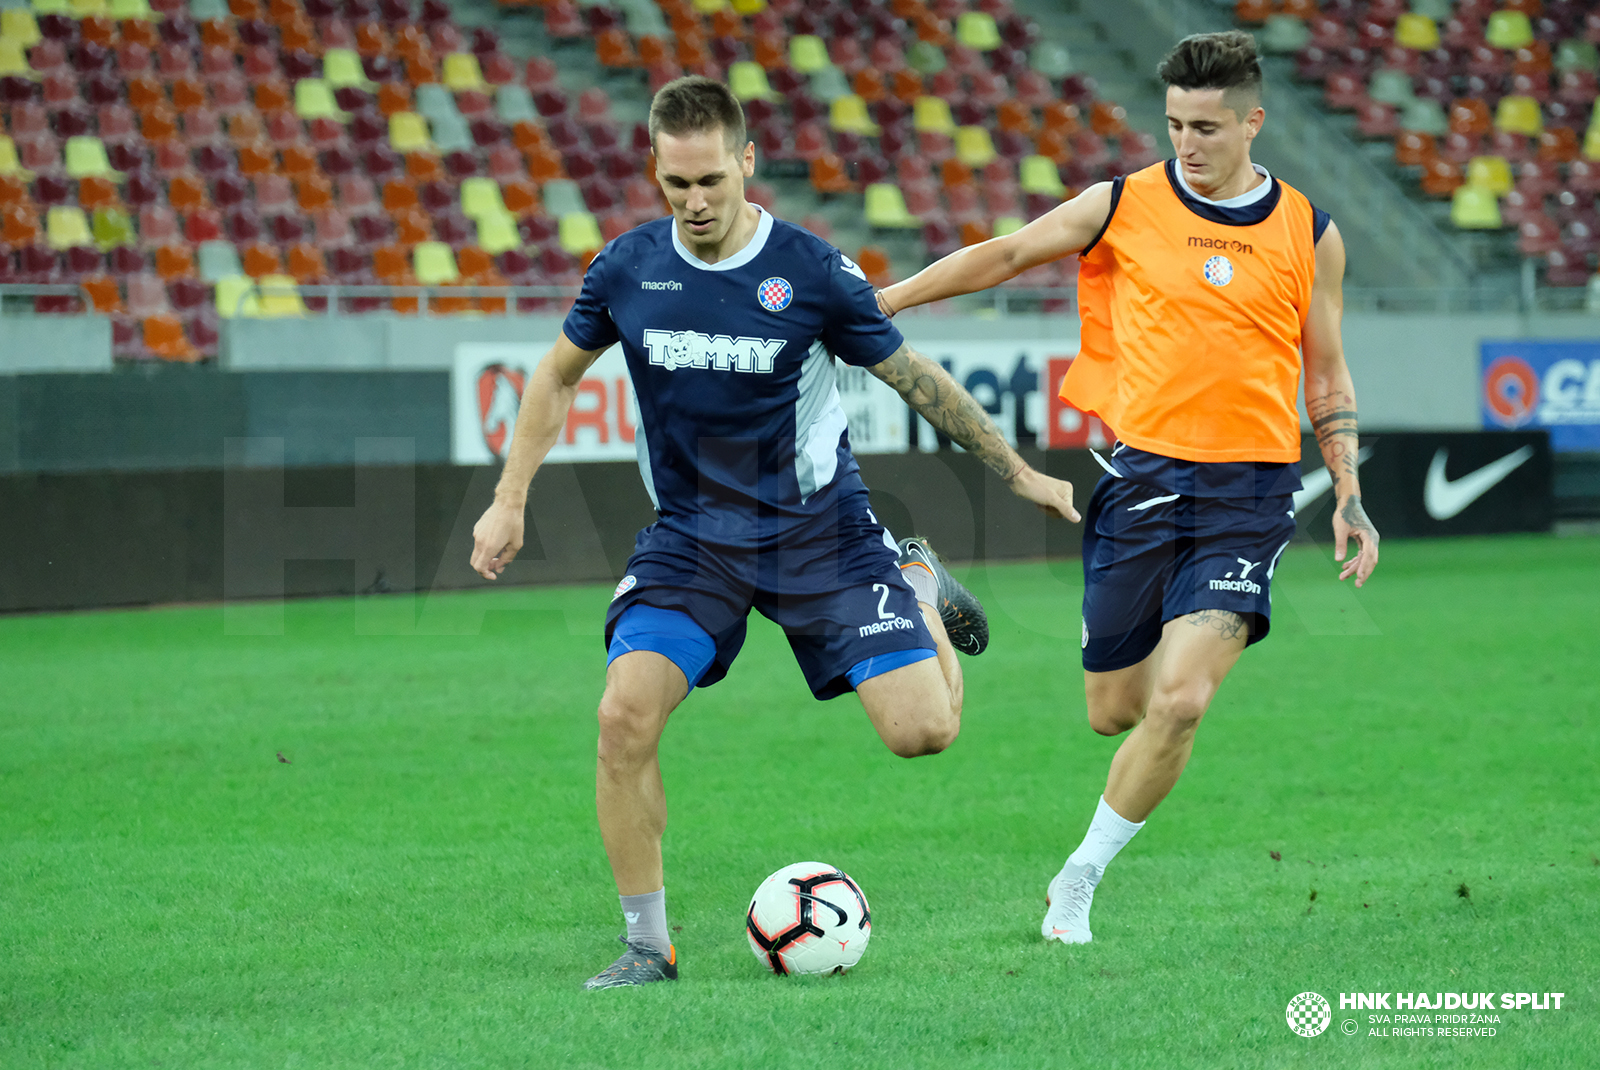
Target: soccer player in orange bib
point(1202, 283)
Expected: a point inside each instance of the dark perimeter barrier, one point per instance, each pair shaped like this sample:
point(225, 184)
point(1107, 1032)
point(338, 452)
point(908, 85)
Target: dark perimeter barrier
point(261, 528)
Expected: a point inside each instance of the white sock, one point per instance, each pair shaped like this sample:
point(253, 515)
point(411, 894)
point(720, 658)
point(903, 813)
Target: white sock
point(1108, 833)
point(646, 916)
point(923, 582)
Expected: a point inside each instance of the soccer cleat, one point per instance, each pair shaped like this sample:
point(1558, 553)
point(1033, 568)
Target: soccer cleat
point(1067, 901)
point(639, 965)
point(961, 613)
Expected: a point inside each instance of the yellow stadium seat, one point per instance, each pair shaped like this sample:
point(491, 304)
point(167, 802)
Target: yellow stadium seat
point(1591, 144)
point(886, 207)
point(1007, 224)
point(1474, 208)
point(342, 67)
point(86, 156)
point(1508, 30)
point(976, 29)
point(749, 7)
point(933, 114)
point(313, 99)
point(849, 113)
point(748, 81)
point(112, 227)
point(279, 297)
point(1039, 174)
point(50, 7)
point(82, 9)
point(18, 24)
point(433, 263)
point(132, 9)
point(709, 7)
point(497, 233)
point(1519, 115)
point(14, 58)
point(481, 197)
point(236, 296)
point(974, 147)
point(9, 164)
point(461, 72)
point(408, 132)
point(1492, 173)
point(807, 53)
point(66, 226)
point(1416, 32)
point(579, 233)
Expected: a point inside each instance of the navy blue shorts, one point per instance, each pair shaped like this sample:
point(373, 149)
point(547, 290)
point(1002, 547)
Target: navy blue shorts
point(839, 597)
point(1150, 557)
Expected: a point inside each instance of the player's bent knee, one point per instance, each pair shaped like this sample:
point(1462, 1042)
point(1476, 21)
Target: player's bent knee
point(919, 733)
point(1113, 720)
point(628, 726)
point(1179, 712)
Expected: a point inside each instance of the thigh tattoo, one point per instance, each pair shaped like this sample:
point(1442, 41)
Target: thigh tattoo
point(1227, 623)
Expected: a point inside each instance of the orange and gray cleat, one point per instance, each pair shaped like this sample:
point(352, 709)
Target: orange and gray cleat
point(639, 965)
point(959, 610)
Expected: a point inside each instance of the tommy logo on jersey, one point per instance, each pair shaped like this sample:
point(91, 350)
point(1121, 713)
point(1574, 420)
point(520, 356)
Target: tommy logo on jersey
point(775, 294)
point(1218, 271)
point(691, 349)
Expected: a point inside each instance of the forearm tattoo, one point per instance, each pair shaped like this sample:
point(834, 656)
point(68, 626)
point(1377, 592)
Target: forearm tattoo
point(940, 400)
point(1224, 622)
point(1333, 418)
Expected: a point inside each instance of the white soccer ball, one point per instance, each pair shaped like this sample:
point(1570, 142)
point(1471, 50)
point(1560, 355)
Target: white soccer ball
point(808, 918)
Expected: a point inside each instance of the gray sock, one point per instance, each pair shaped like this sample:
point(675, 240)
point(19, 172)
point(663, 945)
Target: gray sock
point(646, 916)
point(923, 582)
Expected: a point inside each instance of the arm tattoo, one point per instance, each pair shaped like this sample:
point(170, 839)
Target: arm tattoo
point(930, 391)
point(1333, 418)
point(1226, 623)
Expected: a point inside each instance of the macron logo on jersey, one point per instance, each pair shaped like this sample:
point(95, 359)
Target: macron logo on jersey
point(691, 349)
point(670, 284)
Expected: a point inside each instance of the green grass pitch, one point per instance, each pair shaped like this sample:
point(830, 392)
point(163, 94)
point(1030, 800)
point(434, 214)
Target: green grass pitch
point(420, 882)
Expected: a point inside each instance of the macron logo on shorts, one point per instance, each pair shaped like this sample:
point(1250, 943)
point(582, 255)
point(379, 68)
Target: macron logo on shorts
point(893, 624)
point(1243, 583)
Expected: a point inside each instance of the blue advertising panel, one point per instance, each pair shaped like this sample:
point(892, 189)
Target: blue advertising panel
point(1550, 384)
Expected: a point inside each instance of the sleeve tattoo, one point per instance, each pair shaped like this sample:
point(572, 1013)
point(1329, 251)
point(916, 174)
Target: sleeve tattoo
point(1333, 418)
point(939, 399)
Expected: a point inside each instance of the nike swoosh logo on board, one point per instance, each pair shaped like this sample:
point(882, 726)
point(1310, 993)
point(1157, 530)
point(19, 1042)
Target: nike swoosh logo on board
point(1444, 498)
point(1318, 483)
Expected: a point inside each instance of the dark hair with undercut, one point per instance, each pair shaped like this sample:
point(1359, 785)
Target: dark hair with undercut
point(693, 105)
point(1225, 61)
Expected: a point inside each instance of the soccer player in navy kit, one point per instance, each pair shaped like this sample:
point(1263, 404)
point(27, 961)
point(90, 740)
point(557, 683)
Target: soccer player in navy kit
point(731, 321)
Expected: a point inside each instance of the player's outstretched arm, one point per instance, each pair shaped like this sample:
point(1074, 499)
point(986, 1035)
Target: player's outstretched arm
point(1331, 404)
point(1059, 232)
point(497, 536)
point(942, 401)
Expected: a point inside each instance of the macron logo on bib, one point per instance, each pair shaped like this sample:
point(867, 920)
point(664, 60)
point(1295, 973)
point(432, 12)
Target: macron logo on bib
point(691, 349)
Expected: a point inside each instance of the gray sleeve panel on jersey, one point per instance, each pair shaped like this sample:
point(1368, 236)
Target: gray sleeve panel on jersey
point(819, 420)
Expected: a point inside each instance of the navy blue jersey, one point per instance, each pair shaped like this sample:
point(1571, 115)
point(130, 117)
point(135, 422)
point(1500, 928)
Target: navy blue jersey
point(742, 440)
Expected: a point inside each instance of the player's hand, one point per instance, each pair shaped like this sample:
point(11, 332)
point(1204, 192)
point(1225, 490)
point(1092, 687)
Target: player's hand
point(1052, 495)
point(496, 538)
point(1350, 522)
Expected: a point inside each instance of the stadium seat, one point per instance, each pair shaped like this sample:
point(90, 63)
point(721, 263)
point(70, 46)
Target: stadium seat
point(434, 264)
point(1424, 116)
point(1417, 32)
point(1390, 86)
point(174, 262)
point(885, 208)
point(1475, 208)
point(1519, 115)
point(977, 30)
point(462, 72)
point(578, 232)
point(111, 227)
point(808, 54)
point(849, 113)
point(1490, 173)
point(1039, 174)
point(278, 296)
point(1575, 54)
point(86, 156)
point(163, 336)
point(973, 145)
point(1284, 34)
point(67, 226)
point(216, 260)
point(408, 132)
point(498, 233)
point(749, 81)
point(235, 295)
point(313, 99)
point(1508, 30)
point(104, 295)
point(932, 114)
